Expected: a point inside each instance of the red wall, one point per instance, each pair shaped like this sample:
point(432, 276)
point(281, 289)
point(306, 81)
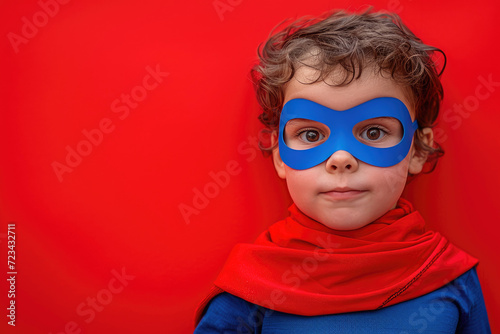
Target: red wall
point(154, 98)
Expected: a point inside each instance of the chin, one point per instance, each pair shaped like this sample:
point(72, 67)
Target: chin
point(345, 224)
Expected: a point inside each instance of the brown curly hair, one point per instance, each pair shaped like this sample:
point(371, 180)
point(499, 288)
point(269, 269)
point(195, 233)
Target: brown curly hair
point(353, 42)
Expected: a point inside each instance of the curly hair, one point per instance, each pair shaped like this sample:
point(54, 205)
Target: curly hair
point(352, 42)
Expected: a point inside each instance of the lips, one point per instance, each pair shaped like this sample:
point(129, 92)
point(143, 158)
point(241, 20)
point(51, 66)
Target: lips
point(344, 193)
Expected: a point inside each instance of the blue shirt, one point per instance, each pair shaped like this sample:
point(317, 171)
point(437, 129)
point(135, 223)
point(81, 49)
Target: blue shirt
point(457, 307)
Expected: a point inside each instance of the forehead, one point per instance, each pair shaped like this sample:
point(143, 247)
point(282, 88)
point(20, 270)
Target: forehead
point(369, 86)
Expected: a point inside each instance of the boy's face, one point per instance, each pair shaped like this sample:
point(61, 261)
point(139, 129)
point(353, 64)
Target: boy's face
point(342, 192)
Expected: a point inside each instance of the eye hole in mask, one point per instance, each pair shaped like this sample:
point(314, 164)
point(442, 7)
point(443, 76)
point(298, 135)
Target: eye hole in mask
point(378, 132)
point(303, 134)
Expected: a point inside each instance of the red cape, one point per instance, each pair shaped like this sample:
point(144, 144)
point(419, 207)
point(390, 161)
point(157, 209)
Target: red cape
point(302, 267)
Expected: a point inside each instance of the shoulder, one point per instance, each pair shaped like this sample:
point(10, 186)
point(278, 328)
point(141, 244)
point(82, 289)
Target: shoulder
point(228, 312)
point(462, 290)
point(226, 301)
point(464, 287)
point(466, 294)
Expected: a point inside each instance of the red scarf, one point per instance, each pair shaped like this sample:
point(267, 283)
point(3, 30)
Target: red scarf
point(302, 267)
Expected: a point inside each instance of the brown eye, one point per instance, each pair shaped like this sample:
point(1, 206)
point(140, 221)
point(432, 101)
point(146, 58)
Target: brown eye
point(373, 134)
point(311, 136)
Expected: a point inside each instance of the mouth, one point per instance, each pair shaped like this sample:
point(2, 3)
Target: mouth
point(343, 193)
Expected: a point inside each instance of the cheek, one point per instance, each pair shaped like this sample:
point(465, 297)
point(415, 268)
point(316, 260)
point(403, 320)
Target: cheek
point(393, 179)
point(299, 182)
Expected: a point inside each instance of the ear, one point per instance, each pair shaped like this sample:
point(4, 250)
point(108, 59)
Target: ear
point(279, 165)
point(419, 157)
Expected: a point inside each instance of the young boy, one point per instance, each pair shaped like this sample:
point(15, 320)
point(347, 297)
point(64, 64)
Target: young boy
point(349, 100)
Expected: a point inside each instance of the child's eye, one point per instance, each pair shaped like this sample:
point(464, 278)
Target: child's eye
point(311, 136)
point(373, 133)
point(379, 131)
point(303, 134)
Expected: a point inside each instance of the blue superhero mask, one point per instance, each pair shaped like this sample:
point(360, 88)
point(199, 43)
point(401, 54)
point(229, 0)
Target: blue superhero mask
point(341, 125)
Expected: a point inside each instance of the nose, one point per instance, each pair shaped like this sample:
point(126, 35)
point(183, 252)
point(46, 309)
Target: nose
point(341, 162)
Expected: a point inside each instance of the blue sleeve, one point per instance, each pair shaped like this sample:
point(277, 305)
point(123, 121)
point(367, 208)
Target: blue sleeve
point(228, 314)
point(473, 318)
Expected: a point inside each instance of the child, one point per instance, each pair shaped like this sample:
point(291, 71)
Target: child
point(349, 100)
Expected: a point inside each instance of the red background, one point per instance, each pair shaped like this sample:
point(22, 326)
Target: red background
point(119, 208)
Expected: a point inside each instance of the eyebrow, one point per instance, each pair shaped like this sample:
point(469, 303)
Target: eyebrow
point(298, 121)
point(294, 121)
point(384, 118)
